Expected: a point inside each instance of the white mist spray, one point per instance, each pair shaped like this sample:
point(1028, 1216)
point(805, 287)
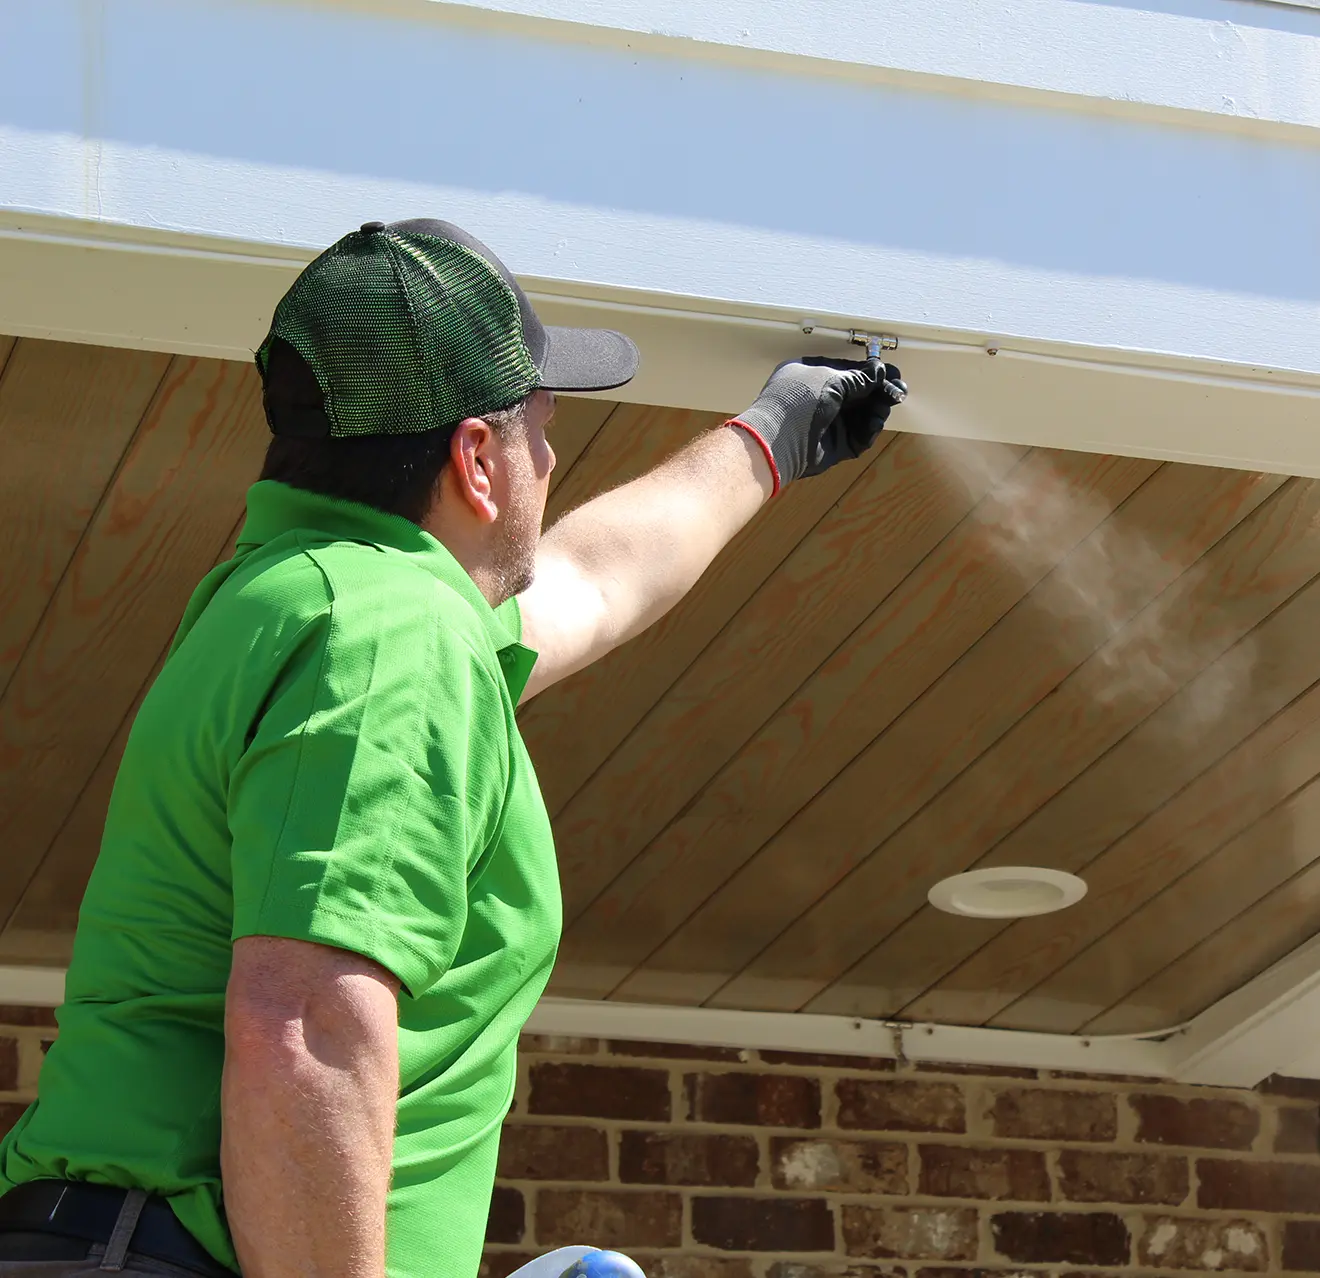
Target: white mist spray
point(1115, 577)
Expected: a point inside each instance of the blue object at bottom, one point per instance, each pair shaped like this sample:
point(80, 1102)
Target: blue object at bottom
point(604, 1264)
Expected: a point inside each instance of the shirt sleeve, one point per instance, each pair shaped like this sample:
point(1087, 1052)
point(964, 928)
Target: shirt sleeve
point(374, 781)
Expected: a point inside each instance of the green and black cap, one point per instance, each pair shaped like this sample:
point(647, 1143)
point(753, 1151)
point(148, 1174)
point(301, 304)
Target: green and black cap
point(408, 326)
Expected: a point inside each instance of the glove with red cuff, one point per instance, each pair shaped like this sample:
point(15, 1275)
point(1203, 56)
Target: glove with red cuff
point(815, 411)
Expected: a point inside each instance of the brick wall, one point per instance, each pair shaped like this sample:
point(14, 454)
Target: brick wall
point(713, 1163)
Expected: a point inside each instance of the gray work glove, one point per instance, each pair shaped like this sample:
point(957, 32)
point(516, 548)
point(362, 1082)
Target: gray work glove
point(815, 411)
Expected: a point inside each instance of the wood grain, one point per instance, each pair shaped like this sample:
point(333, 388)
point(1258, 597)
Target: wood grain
point(1180, 512)
point(67, 413)
point(152, 538)
point(941, 592)
point(574, 426)
point(1258, 937)
point(1007, 735)
point(635, 438)
point(41, 925)
point(830, 583)
point(573, 728)
point(7, 344)
point(1248, 867)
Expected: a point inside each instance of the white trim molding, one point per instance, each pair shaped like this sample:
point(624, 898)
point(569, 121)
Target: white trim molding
point(1268, 1026)
point(75, 280)
point(848, 1036)
point(32, 986)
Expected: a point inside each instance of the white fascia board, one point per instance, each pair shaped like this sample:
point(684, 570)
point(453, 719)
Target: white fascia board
point(594, 164)
point(1245, 63)
point(199, 296)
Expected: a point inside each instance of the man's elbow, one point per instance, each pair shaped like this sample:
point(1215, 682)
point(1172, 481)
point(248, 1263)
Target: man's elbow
point(290, 1001)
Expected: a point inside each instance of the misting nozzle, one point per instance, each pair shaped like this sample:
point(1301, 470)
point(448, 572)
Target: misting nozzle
point(875, 343)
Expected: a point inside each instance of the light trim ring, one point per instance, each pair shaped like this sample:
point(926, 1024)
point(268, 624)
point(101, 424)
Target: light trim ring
point(1007, 892)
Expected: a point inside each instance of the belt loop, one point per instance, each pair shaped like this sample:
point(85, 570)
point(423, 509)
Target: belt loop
point(122, 1234)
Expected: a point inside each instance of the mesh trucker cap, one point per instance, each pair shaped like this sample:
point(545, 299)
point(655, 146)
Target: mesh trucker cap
point(404, 327)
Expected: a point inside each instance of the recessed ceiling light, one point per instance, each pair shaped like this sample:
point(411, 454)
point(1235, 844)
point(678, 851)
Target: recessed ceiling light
point(1007, 892)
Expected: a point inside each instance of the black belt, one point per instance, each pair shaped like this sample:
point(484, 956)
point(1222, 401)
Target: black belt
point(74, 1209)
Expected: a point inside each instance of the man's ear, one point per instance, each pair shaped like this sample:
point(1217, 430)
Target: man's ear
point(472, 457)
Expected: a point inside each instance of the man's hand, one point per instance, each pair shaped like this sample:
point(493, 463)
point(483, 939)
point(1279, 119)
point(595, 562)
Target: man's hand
point(815, 412)
point(311, 1081)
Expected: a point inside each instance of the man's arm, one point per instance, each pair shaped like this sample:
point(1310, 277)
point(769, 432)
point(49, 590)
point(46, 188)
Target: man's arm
point(609, 569)
point(311, 1079)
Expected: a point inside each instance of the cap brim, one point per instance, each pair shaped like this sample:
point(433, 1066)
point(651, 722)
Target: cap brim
point(587, 359)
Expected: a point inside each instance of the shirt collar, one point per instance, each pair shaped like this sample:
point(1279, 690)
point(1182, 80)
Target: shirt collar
point(274, 508)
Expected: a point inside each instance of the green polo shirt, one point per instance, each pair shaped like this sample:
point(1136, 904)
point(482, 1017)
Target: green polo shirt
point(329, 754)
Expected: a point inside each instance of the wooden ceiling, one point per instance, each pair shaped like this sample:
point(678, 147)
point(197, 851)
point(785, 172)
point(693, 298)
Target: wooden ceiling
point(940, 657)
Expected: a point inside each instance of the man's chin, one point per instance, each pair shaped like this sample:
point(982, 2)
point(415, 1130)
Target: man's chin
point(515, 583)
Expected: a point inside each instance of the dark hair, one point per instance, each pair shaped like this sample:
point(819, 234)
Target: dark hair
point(393, 473)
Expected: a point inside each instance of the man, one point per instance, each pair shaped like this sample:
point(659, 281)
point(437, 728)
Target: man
point(327, 900)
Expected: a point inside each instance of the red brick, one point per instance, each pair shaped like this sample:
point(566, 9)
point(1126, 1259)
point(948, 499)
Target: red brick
point(910, 1233)
point(508, 1216)
point(553, 1153)
point(949, 1171)
point(1247, 1186)
point(1097, 1273)
point(10, 1113)
point(619, 1220)
point(1044, 1114)
point(8, 1064)
point(693, 1267)
point(839, 1166)
point(797, 1269)
point(900, 1105)
point(1092, 1176)
point(1174, 1242)
point(760, 1100)
point(27, 1017)
point(1301, 1246)
point(1295, 1088)
point(824, 1060)
point(599, 1091)
point(558, 1045)
point(1209, 1124)
point(763, 1224)
point(499, 1264)
point(1044, 1237)
point(676, 1051)
point(1006, 1271)
point(1298, 1131)
point(663, 1158)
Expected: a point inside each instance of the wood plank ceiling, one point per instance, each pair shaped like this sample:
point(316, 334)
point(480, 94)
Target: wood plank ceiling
point(946, 655)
